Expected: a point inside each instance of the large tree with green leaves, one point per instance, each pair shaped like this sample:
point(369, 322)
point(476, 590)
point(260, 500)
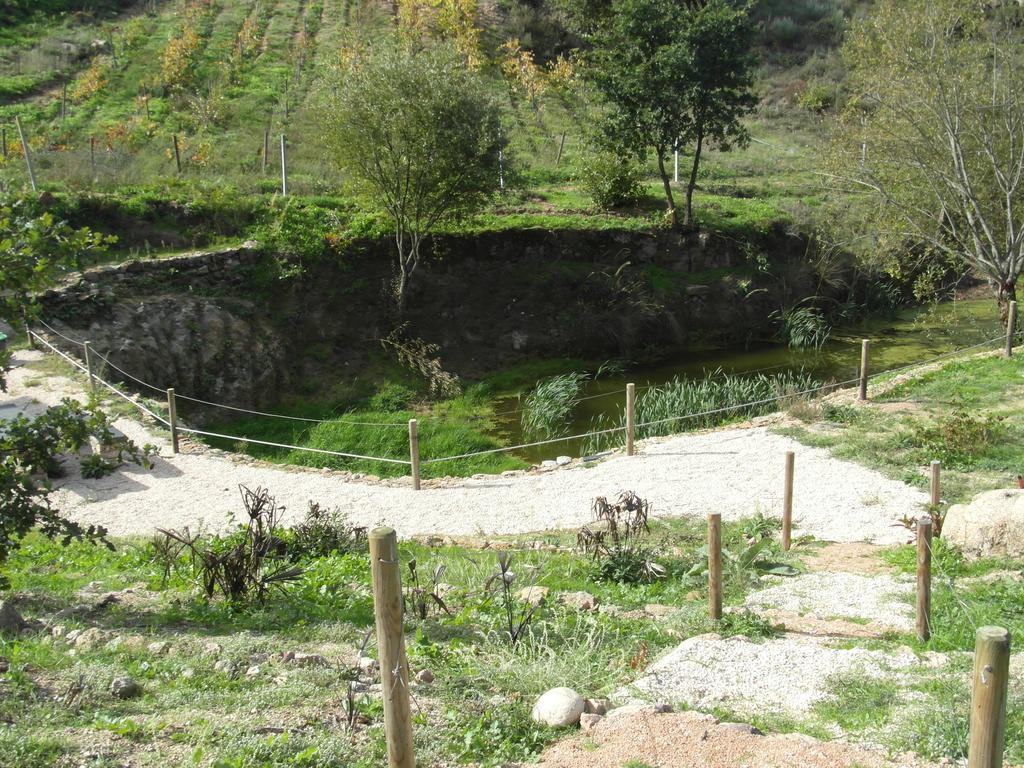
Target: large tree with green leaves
point(418, 133)
point(934, 134)
point(671, 74)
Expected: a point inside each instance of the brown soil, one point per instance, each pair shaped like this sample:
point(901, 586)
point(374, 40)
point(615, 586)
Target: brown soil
point(693, 740)
point(856, 557)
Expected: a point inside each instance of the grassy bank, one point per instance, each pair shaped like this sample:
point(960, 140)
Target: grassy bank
point(237, 702)
point(967, 414)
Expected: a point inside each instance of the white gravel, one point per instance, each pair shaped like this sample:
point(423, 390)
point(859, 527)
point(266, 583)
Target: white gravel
point(736, 472)
point(786, 675)
point(879, 599)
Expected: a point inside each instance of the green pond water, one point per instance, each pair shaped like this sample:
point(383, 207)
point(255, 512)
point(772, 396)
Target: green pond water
point(912, 336)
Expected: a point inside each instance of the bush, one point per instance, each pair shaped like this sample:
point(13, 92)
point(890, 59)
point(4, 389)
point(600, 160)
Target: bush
point(324, 533)
point(392, 397)
point(615, 541)
point(959, 438)
point(816, 97)
point(610, 181)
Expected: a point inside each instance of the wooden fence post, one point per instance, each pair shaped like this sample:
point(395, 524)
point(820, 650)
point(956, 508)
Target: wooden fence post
point(414, 454)
point(715, 565)
point(1011, 328)
point(988, 698)
point(924, 578)
point(561, 146)
point(28, 329)
point(3, 141)
point(284, 167)
point(394, 672)
point(934, 488)
point(177, 154)
point(172, 417)
point(787, 502)
point(28, 153)
point(88, 367)
point(864, 345)
point(92, 156)
point(630, 418)
point(266, 149)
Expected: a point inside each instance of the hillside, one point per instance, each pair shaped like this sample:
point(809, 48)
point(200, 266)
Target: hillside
point(103, 95)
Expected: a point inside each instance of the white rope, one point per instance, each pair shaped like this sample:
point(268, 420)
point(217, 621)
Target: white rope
point(70, 359)
point(525, 445)
point(55, 332)
point(292, 447)
point(938, 357)
point(293, 418)
point(125, 373)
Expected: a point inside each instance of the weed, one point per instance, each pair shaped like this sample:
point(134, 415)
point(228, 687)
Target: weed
point(546, 410)
point(323, 533)
point(517, 614)
point(613, 540)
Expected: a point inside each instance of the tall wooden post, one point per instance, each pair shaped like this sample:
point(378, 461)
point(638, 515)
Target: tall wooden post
point(394, 671)
point(28, 153)
point(172, 417)
point(28, 329)
point(934, 489)
point(864, 346)
point(414, 454)
point(88, 367)
point(1011, 328)
point(630, 418)
point(284, 167)
point(3, 141)
point(988, 698)
point(92, 156)
point(561, 146)
point(177, 154)
point(715, 566)
point(924, 578)
point(787, 502)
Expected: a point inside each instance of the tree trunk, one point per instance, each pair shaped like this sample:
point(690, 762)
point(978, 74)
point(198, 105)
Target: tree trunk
point(692, 183)
point(1007, 293)
point(667, 182)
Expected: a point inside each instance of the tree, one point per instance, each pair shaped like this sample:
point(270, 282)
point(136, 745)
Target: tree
point(673, 74)
point(934, 133)
point(418, 133)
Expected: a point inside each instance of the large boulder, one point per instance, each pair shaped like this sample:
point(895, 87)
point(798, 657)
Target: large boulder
point(991, 525)
point(559, 708)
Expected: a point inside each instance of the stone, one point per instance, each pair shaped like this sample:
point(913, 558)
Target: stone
point(88, 639)
point(212, 649)
point(658, 611)
point(534, 595)
point(425, 676)
point(10, 619)
point(558, 708)
point(254, 671)
point(188, 673)
point(581, 601)
point(309, 660)
point(588, 721)
point(226, 667)
point(991, 525)
point(595, 706)
point(548, 464)
point(366, 664)
point(563, 460)
point(159, 648)
point(124, 688)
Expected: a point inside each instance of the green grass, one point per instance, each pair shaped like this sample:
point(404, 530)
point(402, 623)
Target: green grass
point(477, 710)
point(967, 413)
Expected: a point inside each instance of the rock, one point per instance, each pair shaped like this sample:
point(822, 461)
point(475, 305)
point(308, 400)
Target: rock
point(595, 706)
point(124, 688)
point(226, 667)
point(366, 664)
point(159, 648)
point(58, 630)
point(589, 721)
point(309, 660)
point(10, 620)
point(563, 460)
point(658, 611)
point(425, 676)
point(558, 708)
point(87, 639)
point(699, 290)
point(534, 595)
point(581, 601)
point(212, 649)
point(992, 524)
point(254, 671)
point(548, 464)
point(5, 665)
point(188, 673)
point(743, 728)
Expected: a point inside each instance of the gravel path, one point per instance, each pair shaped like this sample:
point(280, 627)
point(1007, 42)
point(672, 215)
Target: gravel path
point(883, 600)
point(737, 472)
point(786, 675)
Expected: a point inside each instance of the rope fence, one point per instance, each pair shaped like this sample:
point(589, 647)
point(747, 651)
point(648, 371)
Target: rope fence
point(629, 428)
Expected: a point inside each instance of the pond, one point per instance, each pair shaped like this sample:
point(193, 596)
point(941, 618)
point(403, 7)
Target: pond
point(911, 336)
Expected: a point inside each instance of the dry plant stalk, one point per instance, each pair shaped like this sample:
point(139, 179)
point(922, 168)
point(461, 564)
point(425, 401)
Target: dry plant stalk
point(422, 357)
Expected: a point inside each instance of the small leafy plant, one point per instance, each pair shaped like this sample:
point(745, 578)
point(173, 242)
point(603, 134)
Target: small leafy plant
point(423, 599)
point(325, 532)
point(615, 541)
point(517, 614)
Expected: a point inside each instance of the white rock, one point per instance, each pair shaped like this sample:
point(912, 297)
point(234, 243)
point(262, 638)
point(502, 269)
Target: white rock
point(366, 664)
point(992, 524)
point(581, 601)
point(425, 676)
point(159, 648)
point(254, 671)
point(563, 460)
point(534, 595)
point(558, 708)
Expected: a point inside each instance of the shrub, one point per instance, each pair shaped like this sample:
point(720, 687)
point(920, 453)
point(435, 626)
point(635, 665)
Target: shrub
point(609, 180)
point(392, 397)
point(816, 97)
point(95, 467)
point(958, 438)
point(323, 533)
point(615, 541)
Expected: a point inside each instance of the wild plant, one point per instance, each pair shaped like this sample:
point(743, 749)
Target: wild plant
point(325, 532)
point(423, 599)
point(615, 540)
point(517, 614)
point(547, 409)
